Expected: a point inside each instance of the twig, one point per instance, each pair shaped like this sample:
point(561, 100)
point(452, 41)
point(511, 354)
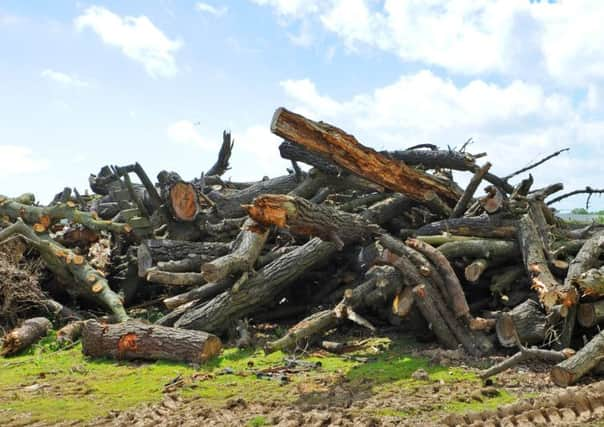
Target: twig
point(586, 190)
point(534, 165)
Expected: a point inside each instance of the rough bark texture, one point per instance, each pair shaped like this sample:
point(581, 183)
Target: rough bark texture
point(590, 314)
point(308, 219)
point(30, 332)
point(550, 291)
point(246, 249)
point(478, 226)
point(572, 369)
point(150, 252)
point(464, 200)
point(345, 151)
point(525, 324)
point(135, 340)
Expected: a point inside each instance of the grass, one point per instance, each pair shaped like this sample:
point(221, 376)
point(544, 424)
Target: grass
point(49, 385)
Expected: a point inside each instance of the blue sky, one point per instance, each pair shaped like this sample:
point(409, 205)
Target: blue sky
point(88, 84)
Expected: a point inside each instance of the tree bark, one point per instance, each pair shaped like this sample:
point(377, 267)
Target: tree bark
point(345, 151)
point(590, 314)
point(150, 252)
point(30, 332)
point(464, 200)
point(479, 226)
point(480, 248)
point(549, 290)
point(572, 369)
point(308, 219)
point(525, 322)
point(246, 249)
point(136, 340)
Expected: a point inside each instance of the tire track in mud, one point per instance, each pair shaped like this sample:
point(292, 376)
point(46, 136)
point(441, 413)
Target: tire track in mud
point(573, 406)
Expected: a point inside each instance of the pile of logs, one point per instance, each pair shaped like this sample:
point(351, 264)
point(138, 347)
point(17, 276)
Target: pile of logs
point(369, 237)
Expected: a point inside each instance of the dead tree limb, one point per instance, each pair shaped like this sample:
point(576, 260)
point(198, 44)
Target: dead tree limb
point(586, 190)
point(525, 355)
point(535, 164)
point(464, 200)
point(303, 217)
point(569, 371)
point(246, 249)
point(345, 151)
point(224, 156)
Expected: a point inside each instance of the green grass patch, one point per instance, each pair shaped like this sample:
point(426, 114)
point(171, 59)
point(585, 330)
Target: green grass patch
point(44, 384)
point(485, 404)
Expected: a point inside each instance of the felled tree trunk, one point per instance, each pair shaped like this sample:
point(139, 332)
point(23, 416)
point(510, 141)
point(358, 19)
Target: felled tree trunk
point(477, 226)
point(345, 151)
point(591, 282)
point(525, 322)
point(246, 249)
point(572, 369)
point(30, 332)
point(480, 248)
point(135, 340)
point(308, 219)
point(151, 252)
point(72, 270)
point(260, 290)
point(550, 291)
point(229, 206)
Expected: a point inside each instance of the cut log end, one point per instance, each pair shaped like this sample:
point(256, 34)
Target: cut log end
point(184, 201)
point(506, 331)
point(562, 377)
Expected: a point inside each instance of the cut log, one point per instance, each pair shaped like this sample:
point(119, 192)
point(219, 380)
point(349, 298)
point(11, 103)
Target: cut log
point(474, 270)
point(525, 324)
point(71, 332)
point(174, 279)
point(308, 219)
point(136, 340)
point(480, 248)
point(478, 226)
point(184, 201)
point(549, 290)
point(30, 332)
point(590, 314)
point(569, 371)
point(260, 290)
point(345, 151)
point(229, 205)
point(246, 249)
point(202, 293)
point(150, 252)
point(71, 269)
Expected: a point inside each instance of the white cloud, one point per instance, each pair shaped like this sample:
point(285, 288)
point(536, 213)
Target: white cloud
point(63, 78)
point(510, 37)
point(212, 10)
point(137, 38)
point(515, 123)
point(292, 8)
point(185, 132)
point(256, 153)
point(18, 160)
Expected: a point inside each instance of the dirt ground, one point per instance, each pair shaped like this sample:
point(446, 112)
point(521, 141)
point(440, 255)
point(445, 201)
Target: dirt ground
point(336, 401)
